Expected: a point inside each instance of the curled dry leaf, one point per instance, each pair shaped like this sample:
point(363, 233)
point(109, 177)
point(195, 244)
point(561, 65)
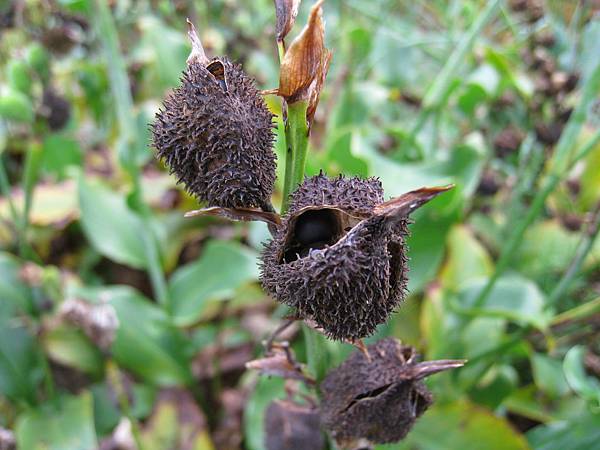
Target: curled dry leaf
point(285, 12)
point(98, 321)
point(306, 62)
point(280, 362)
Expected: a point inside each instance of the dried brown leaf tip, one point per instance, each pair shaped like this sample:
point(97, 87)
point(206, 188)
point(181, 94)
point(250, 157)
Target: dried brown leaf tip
point(292, 426)
point(285, 13)
point(380, 399)
point(339, 255)
point(305, 64)
point(215, 133)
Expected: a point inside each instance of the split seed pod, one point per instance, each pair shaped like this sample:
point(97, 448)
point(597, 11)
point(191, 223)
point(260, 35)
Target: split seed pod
point(216, 134)
point(291, 426)
point(378, 399)
point(339, 255)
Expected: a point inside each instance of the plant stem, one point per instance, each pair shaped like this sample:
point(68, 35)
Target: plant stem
point(127, 128)
point(296, 141)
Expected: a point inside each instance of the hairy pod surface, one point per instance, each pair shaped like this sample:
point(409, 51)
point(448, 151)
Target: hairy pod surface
point(334, 260)
point(216, 134)
point(380, 397)
point(291, 426)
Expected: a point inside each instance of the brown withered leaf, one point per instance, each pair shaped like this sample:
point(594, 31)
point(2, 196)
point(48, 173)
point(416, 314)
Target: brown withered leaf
point(303, 62)
point(241, 214)
point(285, 12)
point(317, 86)
point(408, 202)
point(197, 54)
point(280, 362)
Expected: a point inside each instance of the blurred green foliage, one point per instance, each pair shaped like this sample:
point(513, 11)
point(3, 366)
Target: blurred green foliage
point(500, 98)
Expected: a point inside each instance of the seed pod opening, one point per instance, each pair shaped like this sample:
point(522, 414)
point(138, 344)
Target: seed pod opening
point(291, 426)
point(377, 399)
point(338, 255)
point(215, 133)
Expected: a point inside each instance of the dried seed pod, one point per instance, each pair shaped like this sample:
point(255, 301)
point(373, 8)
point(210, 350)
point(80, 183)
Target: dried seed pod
point(290, 426)
point(338, 255)
point(377, 398)
point(215, 133)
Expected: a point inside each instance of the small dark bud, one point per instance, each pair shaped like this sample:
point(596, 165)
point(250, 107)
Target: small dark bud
point(507, 141)
point(291, 426)
point(55, 109)
point(548, 134)
point(338, 255)
point(489, 184)
point(215, 133)
point(377, 398)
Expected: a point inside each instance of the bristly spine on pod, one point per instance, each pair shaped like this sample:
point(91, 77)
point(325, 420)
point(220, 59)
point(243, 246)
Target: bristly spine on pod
point(339, 254)
point(215, 133)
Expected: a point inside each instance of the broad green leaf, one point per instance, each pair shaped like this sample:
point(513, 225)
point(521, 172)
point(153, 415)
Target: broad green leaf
point(460, 425)
point(222, 268)
point(59, 153)
point(466, 259)
point(70, 426)
point(14, 295)
point(70, 347)
point(147, 343)
point(20, 369)
point(580, 434)
point(513, 297)
point(111, 227)
point(548, 375)
point(265, 390)
point(584, 385)
point(497, 384)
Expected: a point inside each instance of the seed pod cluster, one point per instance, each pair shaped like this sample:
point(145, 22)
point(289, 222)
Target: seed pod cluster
point(215, 133)
point(338, 256)
point(379, 397)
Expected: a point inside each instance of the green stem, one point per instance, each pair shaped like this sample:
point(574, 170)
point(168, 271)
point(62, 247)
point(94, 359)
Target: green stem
point(127, 129)
point(296, 141)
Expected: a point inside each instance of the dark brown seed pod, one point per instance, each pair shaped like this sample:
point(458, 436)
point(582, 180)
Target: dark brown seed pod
point(216, 134)
point(377, 398)
point(56, 109)
point(290, 426)
point(338, 256)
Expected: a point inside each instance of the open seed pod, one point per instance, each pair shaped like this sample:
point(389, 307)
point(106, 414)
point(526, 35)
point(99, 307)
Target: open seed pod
point(338, 255)
point(377, 398)
point(216, 134)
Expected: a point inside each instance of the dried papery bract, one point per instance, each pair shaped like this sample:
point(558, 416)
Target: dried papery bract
point(98, 321)
point(306, 62)
point(339, 255)
point(291, 426)
point(377, 399)
point(286, 12)
point(216, 134)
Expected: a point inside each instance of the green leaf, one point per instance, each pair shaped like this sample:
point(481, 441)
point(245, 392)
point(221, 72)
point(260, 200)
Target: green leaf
point(460, 425)
point(59, 153)
point(110, 226)
point(147, 343)
point(580, 434)
point(222, 269)
point(548, 375)
point(70, 347)
point(68, 427)
point(513, 297)
point(14, 295)
point(585, 386)
point(265, 391)
point(20, 371)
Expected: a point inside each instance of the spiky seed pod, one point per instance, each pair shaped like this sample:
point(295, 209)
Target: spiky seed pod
point(290, 426)
point(338, 255)
point(215, 133)
point(379, 397)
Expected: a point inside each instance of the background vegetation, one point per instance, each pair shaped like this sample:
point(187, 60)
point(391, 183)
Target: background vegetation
point(500, 98)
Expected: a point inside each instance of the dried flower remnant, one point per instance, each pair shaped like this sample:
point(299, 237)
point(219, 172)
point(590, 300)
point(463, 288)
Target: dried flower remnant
point(306, 63)
point(291, 426)
point(286, 12)
point(378, 399)
point(338, 256)
point(216, 134)
point(280, 361)
point(98, 321)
